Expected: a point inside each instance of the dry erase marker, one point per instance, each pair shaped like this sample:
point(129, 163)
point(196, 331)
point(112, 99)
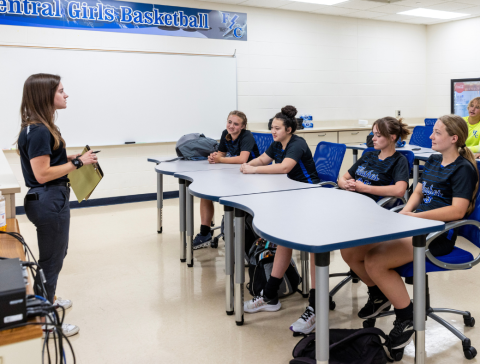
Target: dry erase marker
point(97, 151)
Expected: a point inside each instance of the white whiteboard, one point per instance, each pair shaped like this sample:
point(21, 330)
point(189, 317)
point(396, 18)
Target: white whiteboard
point(116, 97)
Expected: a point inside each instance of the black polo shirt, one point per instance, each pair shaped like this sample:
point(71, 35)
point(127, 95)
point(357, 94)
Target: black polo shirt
point(244, 143)
point(298, 150)
point(441, 184)
point(34, 141)
point(373, 171)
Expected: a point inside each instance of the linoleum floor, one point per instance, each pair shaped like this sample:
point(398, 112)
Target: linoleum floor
point(136, 303)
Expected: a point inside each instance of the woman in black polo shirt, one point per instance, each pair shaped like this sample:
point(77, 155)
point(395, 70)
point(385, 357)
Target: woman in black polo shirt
point(446, 192)
point(45, 166)
point(237, 146)
point(292, 157)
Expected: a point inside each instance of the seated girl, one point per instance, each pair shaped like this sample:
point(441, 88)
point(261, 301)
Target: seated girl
point(237, 146)
point(293, 157)
point(377, 174)
point(473, 123)
point(445, 192)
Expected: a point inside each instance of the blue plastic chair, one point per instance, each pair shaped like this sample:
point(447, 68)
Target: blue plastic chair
point(263, 141)
point(328, 160)
point(430, 122)
point(458, 259)
point(421, 136)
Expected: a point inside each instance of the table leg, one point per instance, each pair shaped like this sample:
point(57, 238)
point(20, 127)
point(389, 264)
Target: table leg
point(355, 155)
point(229, 259)
point(239, 264)
point(305, 274)
point(183, 241)
point(322, 262)
point(159, 202)
point(419, 299)
point(189, 220)
point(416, 168)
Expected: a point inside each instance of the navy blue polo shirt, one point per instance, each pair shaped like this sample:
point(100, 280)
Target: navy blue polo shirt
point(298, 150)
point(244, 143)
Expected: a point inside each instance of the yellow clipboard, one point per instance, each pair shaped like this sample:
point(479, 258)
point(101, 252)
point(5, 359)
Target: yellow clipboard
point(85, 179)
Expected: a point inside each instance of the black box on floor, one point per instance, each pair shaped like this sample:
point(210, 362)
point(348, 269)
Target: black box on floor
point(13, 306)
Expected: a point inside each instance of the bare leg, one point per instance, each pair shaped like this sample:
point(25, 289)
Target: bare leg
point(380, 263)
point(281, 261)
point(355, 258)
point(206, 212)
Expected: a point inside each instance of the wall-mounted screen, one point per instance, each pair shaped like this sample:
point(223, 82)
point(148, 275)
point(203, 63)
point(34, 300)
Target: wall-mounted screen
point(462, 91)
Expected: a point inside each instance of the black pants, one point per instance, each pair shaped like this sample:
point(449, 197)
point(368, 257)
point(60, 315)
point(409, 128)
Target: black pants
point(51, 216)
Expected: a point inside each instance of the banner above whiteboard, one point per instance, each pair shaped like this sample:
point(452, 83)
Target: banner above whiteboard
point(125, 17)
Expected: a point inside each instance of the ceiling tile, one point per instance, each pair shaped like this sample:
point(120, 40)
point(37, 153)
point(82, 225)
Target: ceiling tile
point(473, 2)
point(298, 6)
point(394, 17)
point(450, 6)
point(366, 14)
point(359, 5)
point(474, 10)
point(265, 3)
point(333, 10)
point(392, 8)
point(420, 3)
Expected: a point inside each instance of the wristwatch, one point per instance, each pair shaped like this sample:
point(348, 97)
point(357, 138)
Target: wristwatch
point(77, 162)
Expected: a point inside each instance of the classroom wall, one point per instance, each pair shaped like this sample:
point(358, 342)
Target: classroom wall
point(452, 52)
point(334, 68)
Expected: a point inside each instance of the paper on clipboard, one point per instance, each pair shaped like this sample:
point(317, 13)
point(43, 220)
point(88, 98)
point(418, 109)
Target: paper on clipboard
point(85, 179)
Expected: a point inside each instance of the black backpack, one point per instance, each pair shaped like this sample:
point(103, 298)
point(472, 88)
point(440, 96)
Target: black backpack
point(260, 264)
point(347, 346)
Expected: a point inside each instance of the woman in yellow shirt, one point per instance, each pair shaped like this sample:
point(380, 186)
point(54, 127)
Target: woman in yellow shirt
point(473, 122)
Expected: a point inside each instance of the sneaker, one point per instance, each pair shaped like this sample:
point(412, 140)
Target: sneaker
point(401, 334)
point(374, 307)
point(67, 329)
point(260, 303)
point(201, 241)
point(306, 323)
point(59, 301)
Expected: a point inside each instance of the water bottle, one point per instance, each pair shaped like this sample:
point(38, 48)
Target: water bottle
point(3, 217)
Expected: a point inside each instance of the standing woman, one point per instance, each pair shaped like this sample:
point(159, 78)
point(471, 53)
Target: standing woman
point(237, 146)
point(473, 123)
point(45, 166)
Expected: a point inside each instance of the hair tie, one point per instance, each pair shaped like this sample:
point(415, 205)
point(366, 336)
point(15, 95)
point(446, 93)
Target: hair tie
point(463, 146)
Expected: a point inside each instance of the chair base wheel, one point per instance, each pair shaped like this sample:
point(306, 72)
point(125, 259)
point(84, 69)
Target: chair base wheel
point(469, 352)
point(160, 231)
point(305, 295)
point(183, 260)
point(355, 280)
point(469, 322)
point(397, 354)
point(369, 323)
point(332, 304)
point(230, 313)
point(214, 243)
point(190, 265)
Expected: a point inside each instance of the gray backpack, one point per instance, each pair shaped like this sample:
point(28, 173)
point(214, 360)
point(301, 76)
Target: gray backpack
point(195, 146)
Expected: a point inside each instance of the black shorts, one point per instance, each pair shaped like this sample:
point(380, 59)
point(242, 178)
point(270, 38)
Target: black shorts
point(444, 244)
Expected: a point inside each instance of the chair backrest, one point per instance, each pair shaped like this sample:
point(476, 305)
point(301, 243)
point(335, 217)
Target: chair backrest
point(263, 141)
point(470, 232)
point(421, 136)
point(430, 122)
point(407, 153)
point(328, 159)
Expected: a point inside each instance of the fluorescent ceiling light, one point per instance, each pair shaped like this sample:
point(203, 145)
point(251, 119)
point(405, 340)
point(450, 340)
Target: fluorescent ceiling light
point(430, 13)
point(321, 2)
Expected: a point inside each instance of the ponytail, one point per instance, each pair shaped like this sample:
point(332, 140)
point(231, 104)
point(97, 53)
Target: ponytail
point(455, 125)
point(390, 126)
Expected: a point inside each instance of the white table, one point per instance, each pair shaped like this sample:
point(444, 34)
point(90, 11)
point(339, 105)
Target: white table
point(317, 221)
point(215, 184)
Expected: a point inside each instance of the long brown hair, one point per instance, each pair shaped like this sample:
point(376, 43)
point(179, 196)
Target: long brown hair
point(455, 125)
point(242, 116)
point(390, 126)
point(38, 104)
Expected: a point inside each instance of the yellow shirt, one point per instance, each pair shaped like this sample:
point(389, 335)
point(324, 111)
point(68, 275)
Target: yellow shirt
point(473, 140)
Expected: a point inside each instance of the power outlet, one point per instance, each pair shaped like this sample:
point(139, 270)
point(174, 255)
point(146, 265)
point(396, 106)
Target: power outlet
point(398, 113)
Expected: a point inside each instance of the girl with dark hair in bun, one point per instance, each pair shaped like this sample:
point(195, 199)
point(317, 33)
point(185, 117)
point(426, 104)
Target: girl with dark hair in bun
point(293, 157)
point(446, 192)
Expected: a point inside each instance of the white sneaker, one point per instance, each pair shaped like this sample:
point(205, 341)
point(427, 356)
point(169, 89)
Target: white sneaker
point(259, 303)
point(306, 323)
point(67, 329)
point(63, 302)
